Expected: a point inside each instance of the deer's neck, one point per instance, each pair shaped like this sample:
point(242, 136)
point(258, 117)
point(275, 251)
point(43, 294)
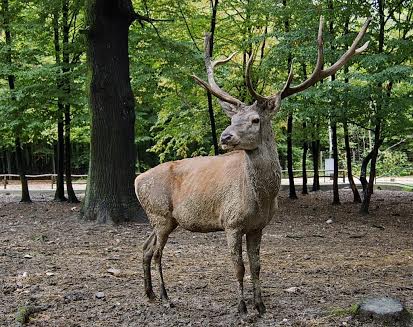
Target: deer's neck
point(263, 167)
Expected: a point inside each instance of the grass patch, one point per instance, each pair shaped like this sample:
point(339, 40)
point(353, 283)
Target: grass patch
point(343, 312)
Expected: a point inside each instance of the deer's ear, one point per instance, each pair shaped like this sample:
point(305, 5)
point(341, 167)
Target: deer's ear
point(273, 105)
point(228, 108)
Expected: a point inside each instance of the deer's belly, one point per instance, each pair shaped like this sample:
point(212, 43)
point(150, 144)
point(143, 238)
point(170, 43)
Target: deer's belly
point(197, 216)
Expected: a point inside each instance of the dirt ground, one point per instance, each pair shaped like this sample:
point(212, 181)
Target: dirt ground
point(312, 271)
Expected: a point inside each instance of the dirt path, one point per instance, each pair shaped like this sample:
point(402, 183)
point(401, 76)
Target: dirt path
point(325, 267)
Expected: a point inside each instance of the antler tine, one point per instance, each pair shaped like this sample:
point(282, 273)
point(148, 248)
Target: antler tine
point(319, 73)
point(350, 52)
point(223, 61)
point(212, 86)
point(248, 81)
point(289, 78)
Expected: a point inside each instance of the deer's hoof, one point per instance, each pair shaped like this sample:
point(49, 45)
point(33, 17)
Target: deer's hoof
point(151, 296)
point(260, 307)
point(168, 304)
point(242, 308)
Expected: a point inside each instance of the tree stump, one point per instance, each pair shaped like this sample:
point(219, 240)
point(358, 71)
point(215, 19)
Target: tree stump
point(384, 311)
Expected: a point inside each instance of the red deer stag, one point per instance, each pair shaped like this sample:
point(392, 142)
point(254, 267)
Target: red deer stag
point(235, 192)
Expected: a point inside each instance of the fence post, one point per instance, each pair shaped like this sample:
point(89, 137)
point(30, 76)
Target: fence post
point(52, 179)
point(5, 182)
point(344, 176)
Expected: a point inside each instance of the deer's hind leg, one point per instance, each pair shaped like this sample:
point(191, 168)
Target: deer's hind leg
point(148, 250)
point(162, 233)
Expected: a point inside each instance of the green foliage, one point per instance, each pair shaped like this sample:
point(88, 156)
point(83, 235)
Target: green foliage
point(394, 163)
point(172, 119)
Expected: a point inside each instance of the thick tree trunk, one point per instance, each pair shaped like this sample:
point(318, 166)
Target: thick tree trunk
point(356, 194)
point(110, 196)
point(209, 96)
point(11, 79)
point(66, 87)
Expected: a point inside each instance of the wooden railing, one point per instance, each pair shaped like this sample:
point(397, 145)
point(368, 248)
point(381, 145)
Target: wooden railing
point(52, 177)
point(310, 174)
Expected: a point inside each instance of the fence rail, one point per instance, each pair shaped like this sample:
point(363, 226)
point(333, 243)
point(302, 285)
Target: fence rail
point(322, 173)
point(6, 177)
point(52, 177)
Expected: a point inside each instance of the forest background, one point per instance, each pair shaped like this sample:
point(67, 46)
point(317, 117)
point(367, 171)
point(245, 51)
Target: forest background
point(363, 116)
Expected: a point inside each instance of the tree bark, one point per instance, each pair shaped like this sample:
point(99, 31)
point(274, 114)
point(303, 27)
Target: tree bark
point(333, 120)
point(71, 196)
point(356, 194)
point(11, 80)
point(336, 196)
point(21, 168)
point(315, 149)
point(60, 191)
point(209, 96)
point(292, 194)
point(304, 161)
point(110, 196)
point(372, 158)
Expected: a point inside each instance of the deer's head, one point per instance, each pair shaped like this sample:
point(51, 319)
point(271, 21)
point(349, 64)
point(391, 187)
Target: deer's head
point(248, 122)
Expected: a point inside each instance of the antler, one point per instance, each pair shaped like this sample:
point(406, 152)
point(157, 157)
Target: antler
point(255, 94)
point(319, 73)
point(212, 86)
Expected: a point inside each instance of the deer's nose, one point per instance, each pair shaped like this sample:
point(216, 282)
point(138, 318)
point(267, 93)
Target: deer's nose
point(225, 138)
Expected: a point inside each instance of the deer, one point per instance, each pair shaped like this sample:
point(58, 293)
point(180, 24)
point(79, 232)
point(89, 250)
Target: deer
point(235, 192)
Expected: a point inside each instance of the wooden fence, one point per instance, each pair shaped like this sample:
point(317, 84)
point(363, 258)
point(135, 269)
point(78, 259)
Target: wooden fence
point(42, 177)
point(82, 178)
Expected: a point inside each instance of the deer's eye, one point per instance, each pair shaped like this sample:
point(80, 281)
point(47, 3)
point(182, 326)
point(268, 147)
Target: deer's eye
point(255, 121)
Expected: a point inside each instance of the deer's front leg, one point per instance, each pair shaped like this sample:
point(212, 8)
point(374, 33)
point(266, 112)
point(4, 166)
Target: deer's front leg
point(234, 240)
point(253, 248)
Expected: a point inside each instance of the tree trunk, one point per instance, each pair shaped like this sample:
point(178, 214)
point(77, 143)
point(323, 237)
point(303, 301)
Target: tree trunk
point(304, 162)
point(9, 161)
point(356, 194)
point(22, 172)
point(11, 79)
point(372, 158)
point(209, 96)
point(66, 87)
point(60, 184)
point(336, 197)
point(292, 194)
point(110, 196)
point(315, 149)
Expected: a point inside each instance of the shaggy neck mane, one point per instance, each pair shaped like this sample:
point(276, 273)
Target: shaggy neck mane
point(263, 166)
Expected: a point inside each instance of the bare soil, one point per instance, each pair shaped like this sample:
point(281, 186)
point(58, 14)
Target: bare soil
point(312, 271)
